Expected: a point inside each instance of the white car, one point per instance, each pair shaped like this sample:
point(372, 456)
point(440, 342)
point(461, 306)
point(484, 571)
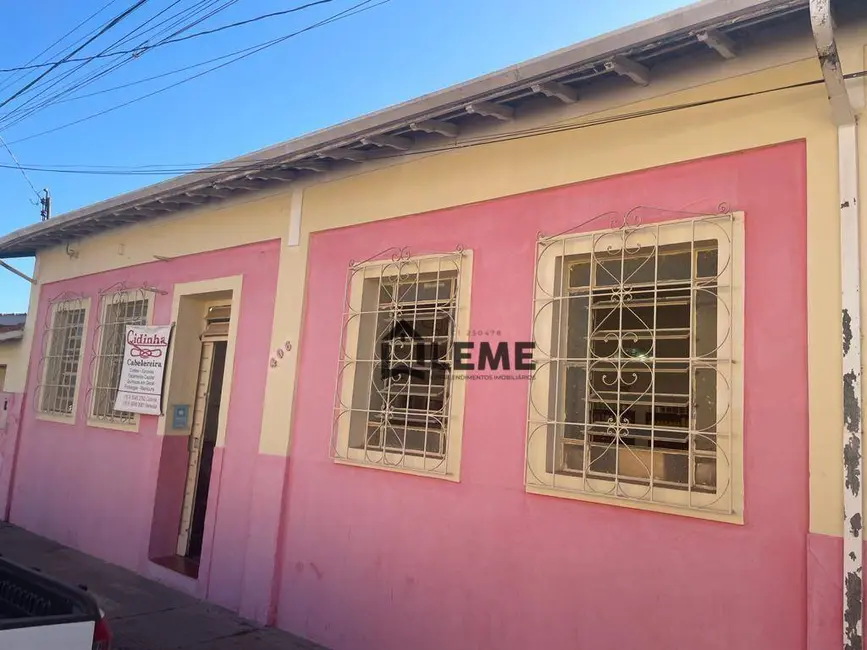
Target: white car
point(40, 613)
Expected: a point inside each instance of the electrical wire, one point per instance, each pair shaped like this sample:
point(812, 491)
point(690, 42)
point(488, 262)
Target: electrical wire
point(16, 78)
point(155, 77)
point(162, 75)
point(171, 39)
point(346, 13)
point(48, 83)
point(20, 168)
point(117, 19)
point(22, 111)
point(17, 115)
point(469, 142)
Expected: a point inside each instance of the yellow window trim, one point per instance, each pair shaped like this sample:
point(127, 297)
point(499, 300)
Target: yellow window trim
point(341, 451)
point(72, 418)
point(670, 501)
point(92, 421)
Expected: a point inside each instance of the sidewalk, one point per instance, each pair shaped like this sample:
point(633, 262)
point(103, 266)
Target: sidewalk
point(145, 615)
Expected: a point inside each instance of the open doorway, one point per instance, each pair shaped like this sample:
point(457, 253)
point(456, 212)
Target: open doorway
point(203, 433)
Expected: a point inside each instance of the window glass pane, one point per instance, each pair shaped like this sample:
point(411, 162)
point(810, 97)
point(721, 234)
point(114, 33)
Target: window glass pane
point(706, 473)
point(574, 392)
point(706, 306)
point(575, 327)
point(572, 455)
point(648, 403)
point(706, 263)
point(674, 266)
point(404, 397)
point(579, 274)
point(62, 361)
point(639, 266)
point(119, 312)
point(607, 270)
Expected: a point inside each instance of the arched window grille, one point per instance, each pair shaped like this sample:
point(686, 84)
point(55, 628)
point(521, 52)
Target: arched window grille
point(635, 395)
point(394, 403)
point(119, 306)
point(62, 344)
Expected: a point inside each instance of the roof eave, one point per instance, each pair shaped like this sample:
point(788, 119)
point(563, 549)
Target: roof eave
point(702, 15)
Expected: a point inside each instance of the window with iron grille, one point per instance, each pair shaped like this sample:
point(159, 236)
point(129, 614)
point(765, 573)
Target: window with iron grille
point(62, 358)
point(395, 396)
point(635, 336)
point(117, 312)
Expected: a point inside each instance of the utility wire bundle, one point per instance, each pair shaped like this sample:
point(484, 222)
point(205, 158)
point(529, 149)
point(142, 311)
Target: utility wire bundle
point(167, 27)
point(63, 70)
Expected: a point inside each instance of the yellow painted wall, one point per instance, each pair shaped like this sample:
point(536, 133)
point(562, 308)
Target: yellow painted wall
point(8, 359)
point(11, 360)
point(420, 183)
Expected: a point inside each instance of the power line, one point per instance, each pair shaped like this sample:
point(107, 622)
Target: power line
point(169, 41)
point(169, 73)
point(44, 201)
point(9, 82)
point(155, 77)
point(20, 168)
point(47, 84)
point(102, 31)
point(247, 22)
point(22, 111)
point(346, 13)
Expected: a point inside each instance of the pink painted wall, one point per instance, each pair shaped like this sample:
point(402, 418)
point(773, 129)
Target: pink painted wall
point(825, 592)
point(97, 490)
point(384, 561)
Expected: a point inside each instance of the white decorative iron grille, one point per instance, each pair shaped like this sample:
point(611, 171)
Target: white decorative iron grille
point(61, 355)
point(393, 402)
point(632, 396)
point(119, 307)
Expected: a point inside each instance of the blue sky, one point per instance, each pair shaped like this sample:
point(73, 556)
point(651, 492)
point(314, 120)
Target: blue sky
point(388, 54)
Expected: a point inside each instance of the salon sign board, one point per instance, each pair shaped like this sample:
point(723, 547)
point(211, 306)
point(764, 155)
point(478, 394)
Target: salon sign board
point(140, 389)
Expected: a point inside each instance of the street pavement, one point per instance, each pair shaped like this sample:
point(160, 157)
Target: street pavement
point(143, 614)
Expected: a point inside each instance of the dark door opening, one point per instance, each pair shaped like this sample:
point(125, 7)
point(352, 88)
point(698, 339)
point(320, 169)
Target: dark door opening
point(211, 419)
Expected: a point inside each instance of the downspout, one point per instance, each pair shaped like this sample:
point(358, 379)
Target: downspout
point(850, 272)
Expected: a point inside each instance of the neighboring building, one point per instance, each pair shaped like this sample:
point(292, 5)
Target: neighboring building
point(664, 218)
point(11, 334)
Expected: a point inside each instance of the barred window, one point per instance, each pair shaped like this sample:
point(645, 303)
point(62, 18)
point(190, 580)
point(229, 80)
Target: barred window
point(395, 398)
point(62, 358)
point(634, 396)
point(117, 311)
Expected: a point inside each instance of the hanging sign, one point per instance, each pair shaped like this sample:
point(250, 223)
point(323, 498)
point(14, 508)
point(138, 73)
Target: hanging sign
point(141, 380)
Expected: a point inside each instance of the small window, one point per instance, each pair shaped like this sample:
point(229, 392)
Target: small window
point(634, 397)
point(217, 320)
point(396, 401)
point(62, 359)
point(118, 311)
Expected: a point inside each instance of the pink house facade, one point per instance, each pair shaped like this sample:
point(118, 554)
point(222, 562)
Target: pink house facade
point(584, 387)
